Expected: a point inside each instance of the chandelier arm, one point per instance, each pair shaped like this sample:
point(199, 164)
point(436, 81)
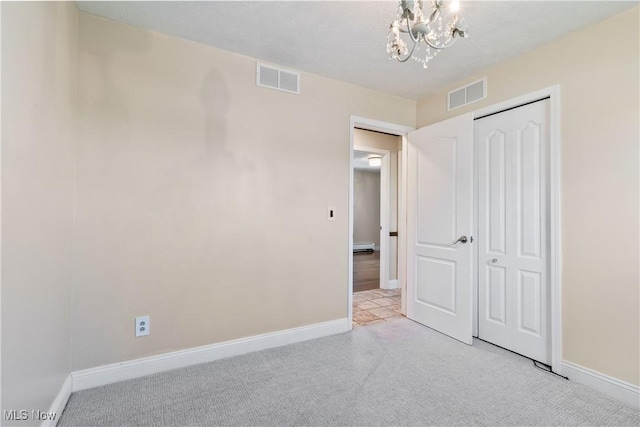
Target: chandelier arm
point(444, 46)
point(434, 15)
point(413, 38)
point(408, 55)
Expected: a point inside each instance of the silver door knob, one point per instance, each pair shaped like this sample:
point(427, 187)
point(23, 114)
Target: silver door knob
point(461, 239)
point(493, 261)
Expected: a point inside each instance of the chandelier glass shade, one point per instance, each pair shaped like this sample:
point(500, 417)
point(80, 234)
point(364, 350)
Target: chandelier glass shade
point(426, 34)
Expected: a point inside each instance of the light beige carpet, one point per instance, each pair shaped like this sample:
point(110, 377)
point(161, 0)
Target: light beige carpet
point(394, 373)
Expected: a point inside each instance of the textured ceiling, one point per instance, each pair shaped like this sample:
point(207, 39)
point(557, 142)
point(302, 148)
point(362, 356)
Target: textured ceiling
point(361, 161)
point(347, 40)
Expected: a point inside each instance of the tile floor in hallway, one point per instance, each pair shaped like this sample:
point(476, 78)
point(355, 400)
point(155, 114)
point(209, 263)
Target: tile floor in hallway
point(377, 305)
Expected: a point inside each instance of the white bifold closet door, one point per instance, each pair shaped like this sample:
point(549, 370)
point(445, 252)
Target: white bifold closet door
point(513, 295)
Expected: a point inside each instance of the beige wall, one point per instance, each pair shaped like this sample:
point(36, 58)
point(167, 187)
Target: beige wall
point(597, 70)
point(39, 52)
point(201, 198)
point(366, 206)
point(369, 139)
point(186, 209)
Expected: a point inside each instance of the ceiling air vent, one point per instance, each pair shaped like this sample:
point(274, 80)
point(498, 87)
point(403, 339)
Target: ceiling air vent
point(277, 78)
point(466, 95)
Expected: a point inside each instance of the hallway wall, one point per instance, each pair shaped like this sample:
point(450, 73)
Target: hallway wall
point(366, 207)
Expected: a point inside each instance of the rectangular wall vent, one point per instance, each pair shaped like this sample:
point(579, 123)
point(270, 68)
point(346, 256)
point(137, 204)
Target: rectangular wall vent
point(277, 78)
point(468, 94)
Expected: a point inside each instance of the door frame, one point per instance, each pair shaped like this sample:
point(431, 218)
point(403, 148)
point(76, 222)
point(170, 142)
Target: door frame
point(385, 209)
point(393, 129)
point(554, 244)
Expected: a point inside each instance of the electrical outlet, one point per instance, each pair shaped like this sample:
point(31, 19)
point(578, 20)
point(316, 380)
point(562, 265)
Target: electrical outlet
point(142, 326)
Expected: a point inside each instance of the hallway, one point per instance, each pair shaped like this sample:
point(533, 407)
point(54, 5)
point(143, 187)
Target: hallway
point(376, 306)
point(366, 271)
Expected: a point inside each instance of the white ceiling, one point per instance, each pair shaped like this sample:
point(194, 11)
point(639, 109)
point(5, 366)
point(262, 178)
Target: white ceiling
point(347, 40)
point(361, 161)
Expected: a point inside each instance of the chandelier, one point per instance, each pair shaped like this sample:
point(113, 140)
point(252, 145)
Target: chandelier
point(433, 33)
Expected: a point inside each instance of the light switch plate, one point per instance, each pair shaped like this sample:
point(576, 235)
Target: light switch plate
point(331, 213)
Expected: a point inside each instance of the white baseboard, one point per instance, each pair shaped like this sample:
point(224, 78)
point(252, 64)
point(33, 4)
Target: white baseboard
point(364, 246)
point(59, 402)
point(101, 375)
point(612, 387)
point(392, 284)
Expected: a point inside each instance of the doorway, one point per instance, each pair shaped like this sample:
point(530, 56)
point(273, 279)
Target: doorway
point(371, 303)
point(375, 205)
point(370, 209)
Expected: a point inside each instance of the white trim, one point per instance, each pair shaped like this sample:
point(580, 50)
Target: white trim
point(555, 284)
point(402, 224)
point(379, 126)
point(392, 284)
point(59, 402)
point(555, 242)
point(474, 233)
point(550, 91)
point(350, 237)
point(385, 208)
point(101, 375)
point(376, 125)
point(605, 384)
point(364, 246)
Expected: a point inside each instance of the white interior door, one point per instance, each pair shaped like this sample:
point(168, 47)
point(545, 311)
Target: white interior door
point(439, 214)
point(513, 295)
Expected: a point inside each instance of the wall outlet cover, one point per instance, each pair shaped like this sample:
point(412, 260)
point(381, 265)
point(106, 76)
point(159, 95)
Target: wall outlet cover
point(142, 326)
